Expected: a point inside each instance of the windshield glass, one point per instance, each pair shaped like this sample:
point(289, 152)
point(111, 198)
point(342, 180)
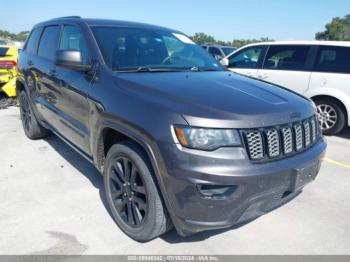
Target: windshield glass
point(130, 49)
point(228, 50)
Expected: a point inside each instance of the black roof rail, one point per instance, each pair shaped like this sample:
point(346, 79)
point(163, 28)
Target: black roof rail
point(63, 17)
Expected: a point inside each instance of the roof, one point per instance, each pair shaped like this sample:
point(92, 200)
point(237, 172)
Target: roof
point(216, 45)
point(105, 22)
point(309, 42)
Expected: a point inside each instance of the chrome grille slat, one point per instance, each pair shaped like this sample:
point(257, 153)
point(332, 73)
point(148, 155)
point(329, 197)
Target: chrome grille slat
point(287, 137)
point(298, 137)
point(255, 144)
point(307, 134)
point(313, 130)
point(273, 143)
point(276, 142)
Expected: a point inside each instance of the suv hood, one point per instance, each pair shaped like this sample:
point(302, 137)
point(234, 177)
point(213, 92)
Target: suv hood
point(220, 99)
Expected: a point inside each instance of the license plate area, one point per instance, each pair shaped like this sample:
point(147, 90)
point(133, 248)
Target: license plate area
point(304, 175)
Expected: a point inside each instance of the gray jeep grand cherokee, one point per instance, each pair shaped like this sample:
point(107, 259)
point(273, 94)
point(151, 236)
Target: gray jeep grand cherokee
point(179, 140)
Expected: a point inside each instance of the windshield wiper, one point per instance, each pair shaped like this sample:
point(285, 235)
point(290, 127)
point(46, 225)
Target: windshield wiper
point(147, 69)
point(198, 69)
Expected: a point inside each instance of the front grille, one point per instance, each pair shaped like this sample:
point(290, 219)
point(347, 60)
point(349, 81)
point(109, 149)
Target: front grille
point(280, 141)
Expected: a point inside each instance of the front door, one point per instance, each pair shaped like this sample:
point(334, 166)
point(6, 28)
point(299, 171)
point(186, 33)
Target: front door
point(73, 87)
point(246, 61)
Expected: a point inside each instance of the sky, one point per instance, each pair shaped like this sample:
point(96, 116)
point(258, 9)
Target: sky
point(224, 19)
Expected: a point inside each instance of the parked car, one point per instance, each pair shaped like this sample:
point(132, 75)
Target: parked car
point(8, 70)
point(218, 51)
point(178, 140)
point(319, 70)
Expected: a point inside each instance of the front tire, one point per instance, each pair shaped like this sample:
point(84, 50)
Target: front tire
point(330, 116)
point(132, 193)
point(31, 126)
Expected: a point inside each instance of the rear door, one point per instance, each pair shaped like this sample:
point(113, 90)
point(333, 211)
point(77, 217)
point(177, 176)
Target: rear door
point(27, 64)
point(44, 73)
point(247, 60)
point(332, 70)
point(288, 66)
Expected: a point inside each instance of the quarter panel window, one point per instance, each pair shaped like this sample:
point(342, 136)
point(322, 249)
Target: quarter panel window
point(286, 57)
point(48, 42)
point(73, 39)
point(333, 59)
point(33, 41)
point(247, 58)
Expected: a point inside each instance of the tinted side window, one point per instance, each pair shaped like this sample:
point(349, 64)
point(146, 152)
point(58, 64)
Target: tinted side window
point(286, 57)
point(247, 58)
point(33, 40)
point(333, 59)
point(48, 42)
point(73, 39)
point(214, 51)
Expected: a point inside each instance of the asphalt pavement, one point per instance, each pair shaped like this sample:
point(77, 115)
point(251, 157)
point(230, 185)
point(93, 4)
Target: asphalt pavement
point(52, 202)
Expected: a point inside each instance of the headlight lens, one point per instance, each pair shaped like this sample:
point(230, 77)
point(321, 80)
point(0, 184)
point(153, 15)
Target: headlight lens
point(207, 138)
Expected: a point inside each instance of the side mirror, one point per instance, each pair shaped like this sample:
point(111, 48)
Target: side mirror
point(224, 62)
point(71, 59)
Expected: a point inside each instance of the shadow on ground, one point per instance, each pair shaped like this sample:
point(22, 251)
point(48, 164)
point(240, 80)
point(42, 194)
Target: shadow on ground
point(345, 133)
point(89, 171)
point(81, 164)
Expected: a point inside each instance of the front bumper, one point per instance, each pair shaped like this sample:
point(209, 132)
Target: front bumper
point(254, 189)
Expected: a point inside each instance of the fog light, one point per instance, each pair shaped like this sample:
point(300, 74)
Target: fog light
point(216, 191)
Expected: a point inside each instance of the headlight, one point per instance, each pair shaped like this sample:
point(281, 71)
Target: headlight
point(207, 138)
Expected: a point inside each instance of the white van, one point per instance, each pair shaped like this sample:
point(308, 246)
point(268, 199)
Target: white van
point(319, 70)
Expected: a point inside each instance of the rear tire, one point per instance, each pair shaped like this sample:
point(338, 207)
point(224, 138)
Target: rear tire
point(330, 116)
point(132, 194)
point(31, 126)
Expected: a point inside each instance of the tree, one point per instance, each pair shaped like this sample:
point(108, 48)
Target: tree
point(337, 30)
point(202, 38)
point(14, 37)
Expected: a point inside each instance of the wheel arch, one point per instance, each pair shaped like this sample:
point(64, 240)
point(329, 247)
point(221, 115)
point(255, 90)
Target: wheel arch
point(336, 100)
point(112, 132)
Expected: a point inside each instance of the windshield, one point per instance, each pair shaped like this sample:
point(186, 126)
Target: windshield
point(228, 50)
point(3, 51)
point(140, 49)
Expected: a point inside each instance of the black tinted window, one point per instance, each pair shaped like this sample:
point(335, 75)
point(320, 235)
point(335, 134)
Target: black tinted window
point(3, 51)
point(73, 39)
point(32, 43)
point(214, 51)
point(333, 59)
point(48, 42)
point(228, 50)
point(247, 58)
point(286, 57)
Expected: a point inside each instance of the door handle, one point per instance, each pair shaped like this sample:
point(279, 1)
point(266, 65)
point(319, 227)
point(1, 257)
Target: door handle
point(263, 76)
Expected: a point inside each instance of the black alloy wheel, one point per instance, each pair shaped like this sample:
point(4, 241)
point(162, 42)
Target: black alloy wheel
point(128, 191)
